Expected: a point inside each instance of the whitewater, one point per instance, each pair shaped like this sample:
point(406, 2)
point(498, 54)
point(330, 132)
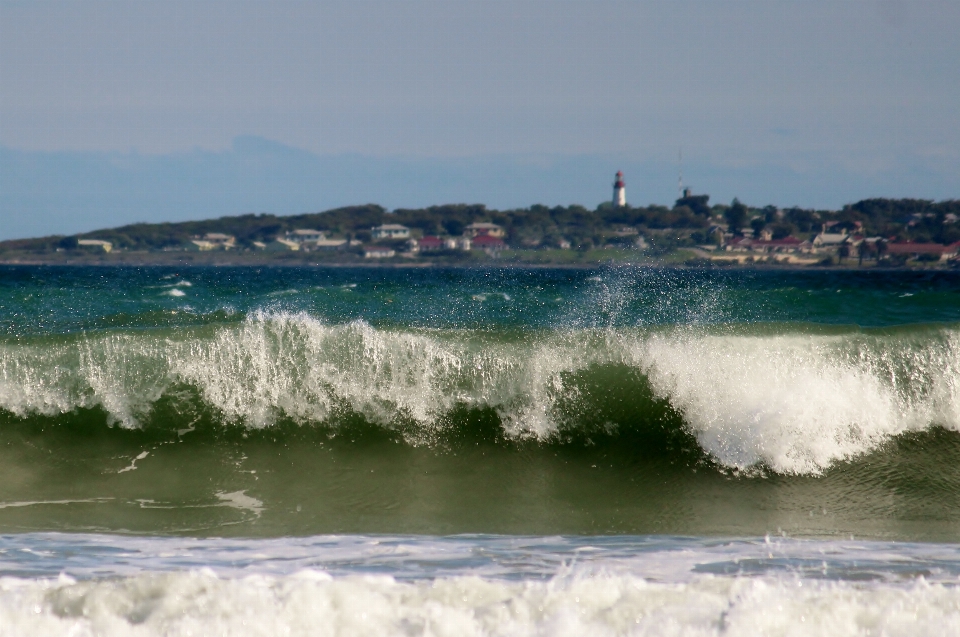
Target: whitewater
point(792, 402)
point(618, 451)
point(481, 586)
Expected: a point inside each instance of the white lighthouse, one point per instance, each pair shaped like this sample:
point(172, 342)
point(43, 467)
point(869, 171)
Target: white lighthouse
point(619, 191)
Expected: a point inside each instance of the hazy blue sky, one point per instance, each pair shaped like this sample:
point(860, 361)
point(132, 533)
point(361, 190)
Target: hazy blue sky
point(113, 112)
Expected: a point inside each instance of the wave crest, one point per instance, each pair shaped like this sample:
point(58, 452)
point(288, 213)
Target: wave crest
point(795, 402)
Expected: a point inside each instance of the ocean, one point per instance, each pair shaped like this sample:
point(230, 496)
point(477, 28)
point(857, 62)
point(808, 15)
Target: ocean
point(500, 451)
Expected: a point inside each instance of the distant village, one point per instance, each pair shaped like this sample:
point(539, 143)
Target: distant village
point(387, 240)
point(832, 245)
point(905, 232)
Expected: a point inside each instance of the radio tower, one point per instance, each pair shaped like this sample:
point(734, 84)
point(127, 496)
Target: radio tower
point(680, 179)
point(619, 191)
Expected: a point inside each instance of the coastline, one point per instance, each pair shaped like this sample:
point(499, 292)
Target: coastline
point(248, 260)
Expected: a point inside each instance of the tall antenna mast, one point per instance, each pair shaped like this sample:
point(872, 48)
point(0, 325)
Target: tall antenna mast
point(680, 178)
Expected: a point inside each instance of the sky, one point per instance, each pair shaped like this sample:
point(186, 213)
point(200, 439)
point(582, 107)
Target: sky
point(119, 112)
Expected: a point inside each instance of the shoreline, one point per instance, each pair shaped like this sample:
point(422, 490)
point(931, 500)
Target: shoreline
point(214, 262)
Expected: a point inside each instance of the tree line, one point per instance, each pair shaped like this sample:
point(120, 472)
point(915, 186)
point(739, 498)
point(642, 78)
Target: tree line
point(688, 221)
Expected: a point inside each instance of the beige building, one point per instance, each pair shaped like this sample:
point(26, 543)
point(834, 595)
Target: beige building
point(220, 240)
point(481, 229)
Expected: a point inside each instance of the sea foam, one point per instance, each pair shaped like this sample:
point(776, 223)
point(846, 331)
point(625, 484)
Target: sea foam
point(474, 585)
point(312, 602)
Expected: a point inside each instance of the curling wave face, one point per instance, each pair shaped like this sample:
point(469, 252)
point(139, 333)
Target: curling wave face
point(790, 399)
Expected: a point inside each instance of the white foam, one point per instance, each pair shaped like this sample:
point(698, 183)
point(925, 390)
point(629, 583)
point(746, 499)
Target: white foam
point(799, 403)
point(313, 603)
point(240, 500)
point(31, 503)
point(133, 463)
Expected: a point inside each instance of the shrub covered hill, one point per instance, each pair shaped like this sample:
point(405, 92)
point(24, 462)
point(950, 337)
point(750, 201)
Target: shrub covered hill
point(688, 222)
point(580, 226)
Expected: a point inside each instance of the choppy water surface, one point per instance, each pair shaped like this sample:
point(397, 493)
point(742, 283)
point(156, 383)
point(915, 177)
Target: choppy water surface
point(311, 408)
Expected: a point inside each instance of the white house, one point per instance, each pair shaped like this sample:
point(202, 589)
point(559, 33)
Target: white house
point(390, 231)
point(95, 244)
point(282, 245)
point(436, 244)
point(830, 239)
point(304, 235)
point(378, 252)
point(200, 245)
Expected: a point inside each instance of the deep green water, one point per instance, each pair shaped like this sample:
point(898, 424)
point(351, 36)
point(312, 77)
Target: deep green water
point(272, 402)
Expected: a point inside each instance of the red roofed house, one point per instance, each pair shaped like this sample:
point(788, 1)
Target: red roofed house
point(488, 244)
point(431, 244)
point(915, 250)
point(787, 244)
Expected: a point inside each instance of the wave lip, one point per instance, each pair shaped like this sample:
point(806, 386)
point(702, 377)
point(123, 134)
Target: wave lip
point(795, 403)
point(799, 403)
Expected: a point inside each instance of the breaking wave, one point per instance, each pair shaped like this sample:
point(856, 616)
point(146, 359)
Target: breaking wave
point(792, 400)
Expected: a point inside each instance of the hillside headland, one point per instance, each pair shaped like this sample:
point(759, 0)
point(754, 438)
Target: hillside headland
point(870, 233)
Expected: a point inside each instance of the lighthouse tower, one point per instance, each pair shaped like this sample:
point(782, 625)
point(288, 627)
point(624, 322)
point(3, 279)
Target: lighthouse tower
point(619, 191)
